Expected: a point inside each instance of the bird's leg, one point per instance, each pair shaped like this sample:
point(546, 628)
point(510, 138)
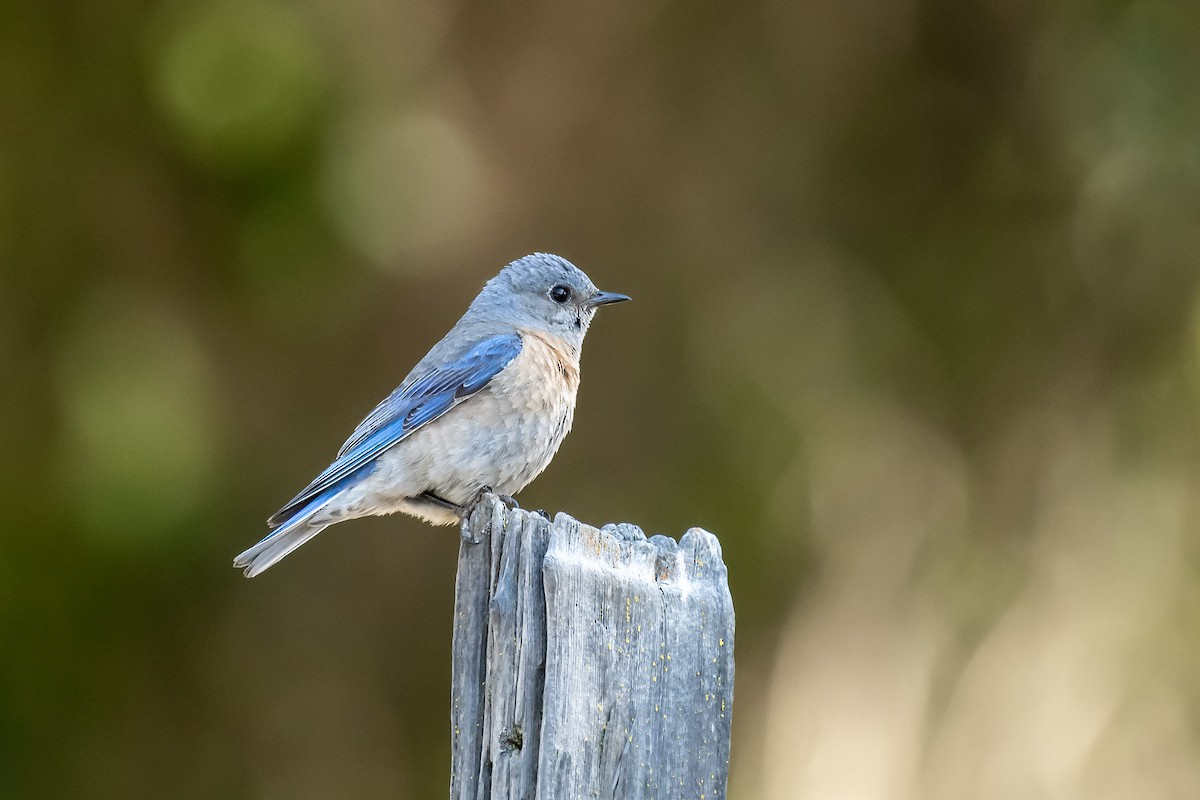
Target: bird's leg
point(442, 502)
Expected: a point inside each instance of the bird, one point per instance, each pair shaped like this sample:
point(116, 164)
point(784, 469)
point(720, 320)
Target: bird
point(484, 411)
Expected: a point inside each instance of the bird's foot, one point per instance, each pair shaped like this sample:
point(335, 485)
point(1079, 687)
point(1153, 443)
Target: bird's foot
point(541, 512)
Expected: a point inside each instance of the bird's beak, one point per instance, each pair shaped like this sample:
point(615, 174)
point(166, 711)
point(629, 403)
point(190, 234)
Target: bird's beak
point(604, 298)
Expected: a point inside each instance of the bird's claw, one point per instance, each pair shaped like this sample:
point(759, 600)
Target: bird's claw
point(509, 502)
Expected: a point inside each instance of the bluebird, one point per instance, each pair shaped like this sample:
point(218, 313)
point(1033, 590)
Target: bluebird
point(485, 410)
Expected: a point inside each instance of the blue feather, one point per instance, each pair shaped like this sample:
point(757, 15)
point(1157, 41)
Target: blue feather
point(416, 403)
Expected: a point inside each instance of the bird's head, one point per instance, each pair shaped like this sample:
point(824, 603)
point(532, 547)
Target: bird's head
point(546, 293)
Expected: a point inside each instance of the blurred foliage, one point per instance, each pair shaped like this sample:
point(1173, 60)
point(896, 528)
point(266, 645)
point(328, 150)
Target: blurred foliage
point(916, 332)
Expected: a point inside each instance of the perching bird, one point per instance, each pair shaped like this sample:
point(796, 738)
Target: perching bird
point(486, 409)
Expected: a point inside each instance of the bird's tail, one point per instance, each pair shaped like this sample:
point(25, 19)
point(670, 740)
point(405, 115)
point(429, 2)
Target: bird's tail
point(277, 544)
point(287, 537)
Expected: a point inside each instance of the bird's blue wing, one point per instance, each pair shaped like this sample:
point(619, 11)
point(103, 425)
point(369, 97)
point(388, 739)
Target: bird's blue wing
point(416, 403)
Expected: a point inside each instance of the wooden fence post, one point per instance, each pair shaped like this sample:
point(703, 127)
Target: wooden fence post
point(588, 663)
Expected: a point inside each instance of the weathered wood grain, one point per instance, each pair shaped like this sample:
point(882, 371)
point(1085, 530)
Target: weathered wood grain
point(589, 663)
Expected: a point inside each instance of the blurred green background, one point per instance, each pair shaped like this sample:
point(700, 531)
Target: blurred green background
point(916, 332)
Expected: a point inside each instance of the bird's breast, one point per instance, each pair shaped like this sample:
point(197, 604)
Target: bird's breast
point(534, 402)
point(541, 384)
point(547, 361)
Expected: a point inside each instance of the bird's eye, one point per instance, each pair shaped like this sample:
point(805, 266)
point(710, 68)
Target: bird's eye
point(560, 294)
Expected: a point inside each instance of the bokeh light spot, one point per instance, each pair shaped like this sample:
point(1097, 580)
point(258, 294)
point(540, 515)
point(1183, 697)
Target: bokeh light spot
point(402, 186)
point(242, 82)
point(139, 450)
